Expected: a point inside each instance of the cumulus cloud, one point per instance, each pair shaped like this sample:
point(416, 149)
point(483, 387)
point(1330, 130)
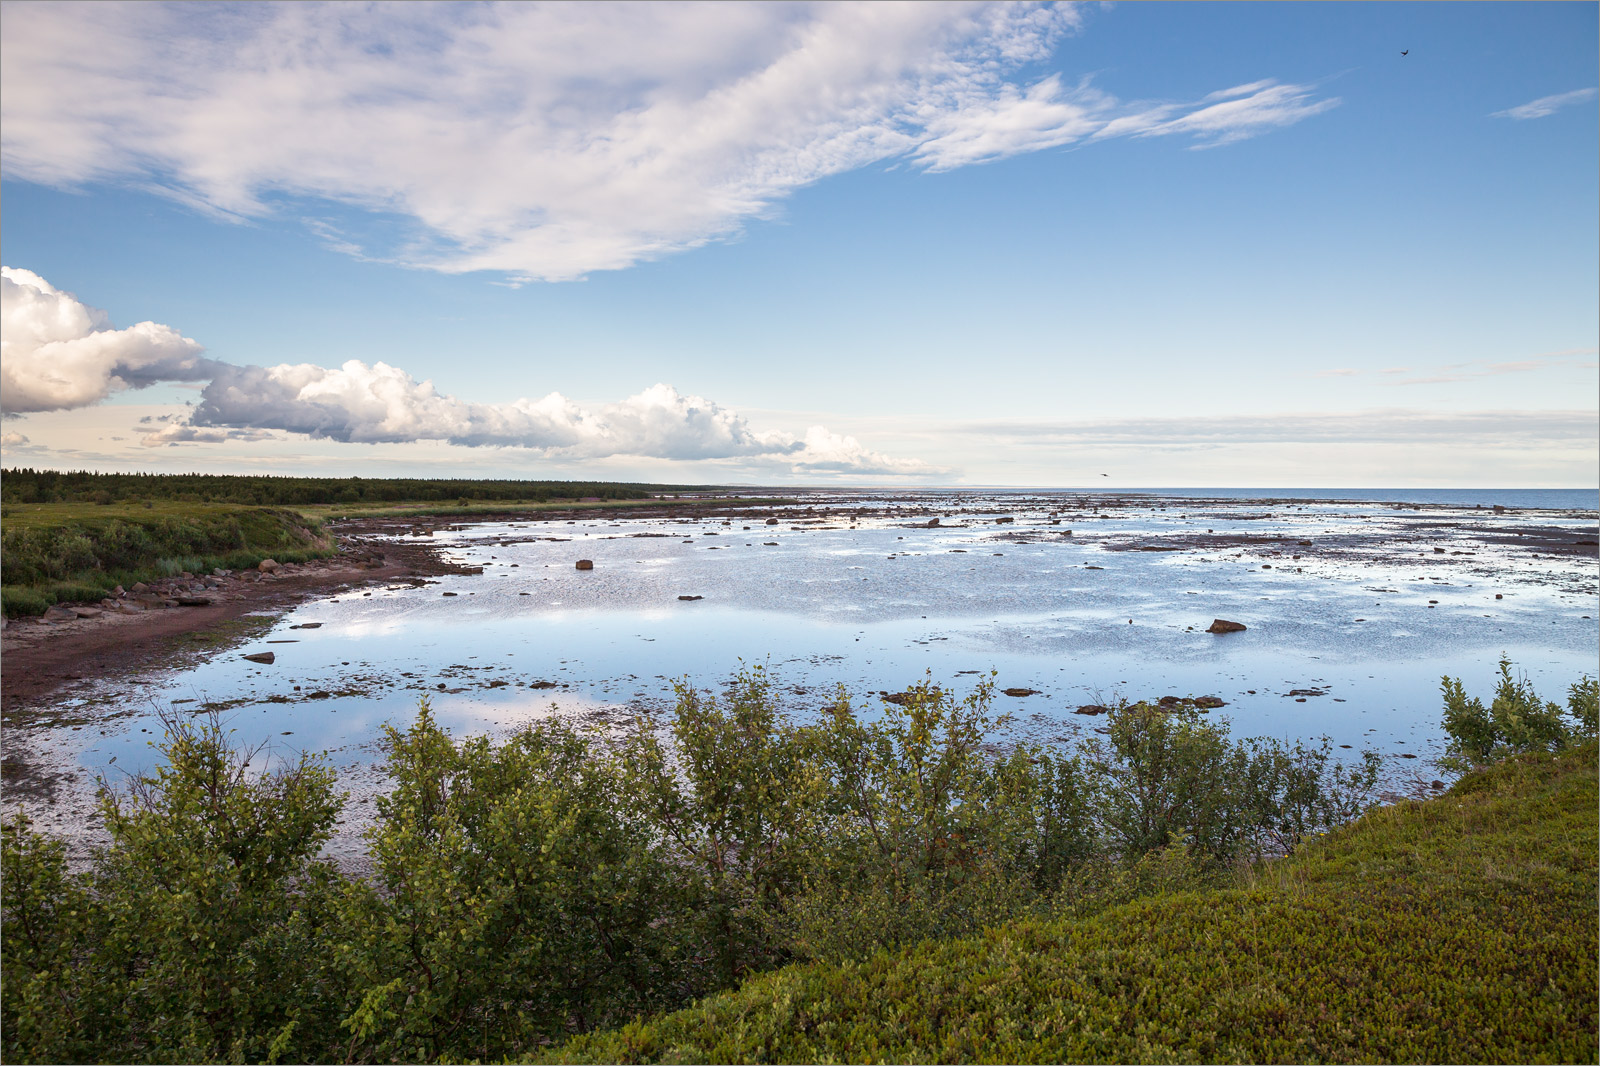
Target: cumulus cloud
point(57, 352)
point(12, 439)
point(549, 141)
point(380, 404)
point(1546, 105)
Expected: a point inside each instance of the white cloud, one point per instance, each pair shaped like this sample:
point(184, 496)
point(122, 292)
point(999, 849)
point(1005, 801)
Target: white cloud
point(1013, 121)
point(1546, 105)
point(12, 439)
point(547, 141)
point(382, 404)
point(56, 352)
point(60, 353)
point(1385, 427)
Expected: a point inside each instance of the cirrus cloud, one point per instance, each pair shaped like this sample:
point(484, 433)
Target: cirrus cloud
point(547, 141)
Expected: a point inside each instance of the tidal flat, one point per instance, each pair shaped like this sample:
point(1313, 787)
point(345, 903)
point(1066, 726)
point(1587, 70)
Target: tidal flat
point(1353, 610)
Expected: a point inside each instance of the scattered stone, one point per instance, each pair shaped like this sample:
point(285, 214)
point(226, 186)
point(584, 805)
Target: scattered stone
point(140, 586)
point(449, 594)
point(686, 598)
point(585, 564)
point(772, 521)
point(319, 695)
point(1209, 702)
point(933, 523)
point(1222, 625)
point(58, 613)
point(536, 684)
point(1439, 551)
point(1019, 692)
point(193, 601)
point(1091, 708)
point(118, 592)
point(1007, 520)
point(268, 566)
point(307, 625)
point(498, 683)
point(262, 657)
point(1499, 596)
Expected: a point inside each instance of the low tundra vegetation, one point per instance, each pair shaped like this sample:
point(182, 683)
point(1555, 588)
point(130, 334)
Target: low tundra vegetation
point(70, 552)
point(564, 882)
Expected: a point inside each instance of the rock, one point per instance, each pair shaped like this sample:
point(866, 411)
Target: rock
point(130, 607)
point(319, 695)
point(219, 572)
point(1499, 596)
point(307, 625)
point(1222, 625)
point(1208, 702)
point(1007, 520)
point(59, 613)
point(267, 566)
point(1021, 691)
point(933, 523)
point(262, 657)
point(691, 597)
point(1090, 708)
point(1439, 551)
point(448, 594)
point(1437, 786)
point(193, 601)
point(541, 684)
point(772, 521)
point(140, 586)
point(585, 564)
point(1498, 509)
point(119, 592)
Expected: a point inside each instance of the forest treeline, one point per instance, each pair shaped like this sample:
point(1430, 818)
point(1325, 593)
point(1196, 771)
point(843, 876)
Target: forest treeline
point(26, 485)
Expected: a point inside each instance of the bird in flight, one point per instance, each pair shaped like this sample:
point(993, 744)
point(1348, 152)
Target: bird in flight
point(1406, 52)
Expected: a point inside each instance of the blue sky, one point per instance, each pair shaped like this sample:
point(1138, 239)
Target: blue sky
point(1196, 244)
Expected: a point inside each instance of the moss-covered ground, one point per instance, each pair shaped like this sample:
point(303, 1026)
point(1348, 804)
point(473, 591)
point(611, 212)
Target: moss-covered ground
point(1462, 929)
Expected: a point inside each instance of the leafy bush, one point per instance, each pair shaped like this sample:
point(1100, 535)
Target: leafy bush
point(1459, 930)
point(513, 897)
point(1516, 721)
point(198, 936)
point(560, 881)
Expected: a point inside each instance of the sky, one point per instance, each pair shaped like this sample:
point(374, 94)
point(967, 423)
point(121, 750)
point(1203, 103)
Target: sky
point(1131, 245)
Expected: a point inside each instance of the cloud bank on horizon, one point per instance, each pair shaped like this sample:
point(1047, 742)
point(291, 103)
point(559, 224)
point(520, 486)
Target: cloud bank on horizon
point(554, 140)
point(60, 353)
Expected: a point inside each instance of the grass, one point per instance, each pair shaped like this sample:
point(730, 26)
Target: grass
point(1462, 929)
point(65, 552)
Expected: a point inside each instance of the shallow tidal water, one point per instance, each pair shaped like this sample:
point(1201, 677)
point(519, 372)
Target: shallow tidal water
point(1354, 611)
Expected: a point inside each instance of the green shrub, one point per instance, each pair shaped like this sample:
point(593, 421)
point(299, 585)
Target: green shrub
point(513, 897)
point(1459, 930)
point(1516, 721)
point(198, 935)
